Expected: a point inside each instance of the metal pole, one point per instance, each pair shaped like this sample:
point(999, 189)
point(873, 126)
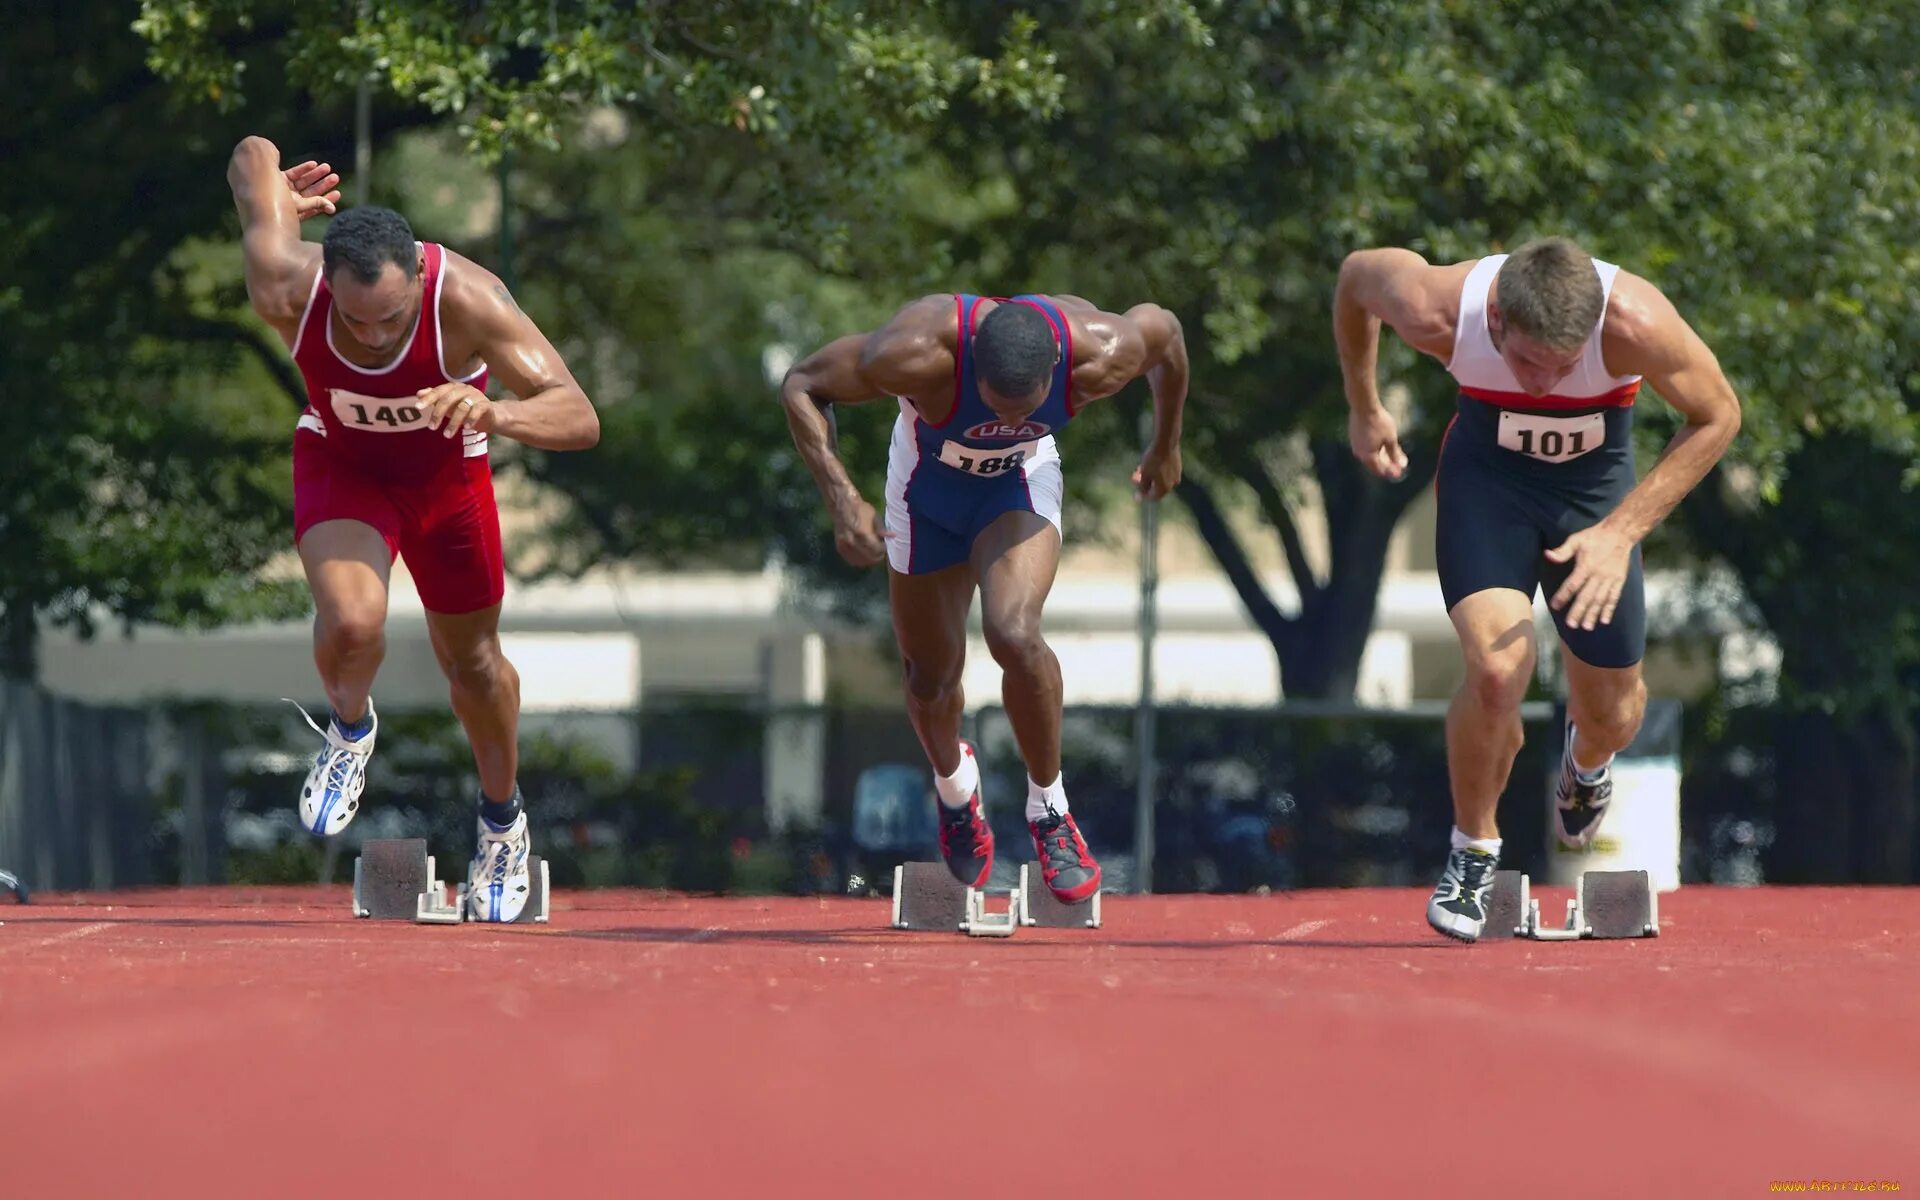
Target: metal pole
point(506, 221)
point(362, 139)
point(1147, 767)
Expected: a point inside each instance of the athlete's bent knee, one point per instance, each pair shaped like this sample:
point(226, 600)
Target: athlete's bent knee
point(480, 669)
point(1498, 682)
point(352, 633)
point(1016, 644)
point(929, 683)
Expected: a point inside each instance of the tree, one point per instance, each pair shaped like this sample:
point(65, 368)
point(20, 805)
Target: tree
point(1838, 591)
point(145, 475)
point(1222, 158)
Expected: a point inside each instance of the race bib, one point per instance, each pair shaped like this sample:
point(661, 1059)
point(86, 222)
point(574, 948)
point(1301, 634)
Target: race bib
point(1552, 439)
point(375, 414)
point(1001, 460)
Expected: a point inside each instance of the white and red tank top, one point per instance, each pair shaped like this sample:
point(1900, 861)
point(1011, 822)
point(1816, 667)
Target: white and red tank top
point(1484, 375)
point(367, 414)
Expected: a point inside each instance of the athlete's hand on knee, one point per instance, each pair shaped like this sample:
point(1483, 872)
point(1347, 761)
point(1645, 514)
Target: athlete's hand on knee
point(857, 534)
point(459, 406)
point(314, 187)
point(1157, 474)
point(1375, 438)
point(1601, 560)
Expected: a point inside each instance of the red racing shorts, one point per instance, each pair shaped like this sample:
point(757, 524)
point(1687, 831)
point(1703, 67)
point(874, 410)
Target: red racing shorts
point(446, 525)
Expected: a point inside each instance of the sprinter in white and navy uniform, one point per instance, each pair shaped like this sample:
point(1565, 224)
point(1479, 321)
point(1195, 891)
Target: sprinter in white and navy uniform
point(1536, 489)
point(1519, 474)
point(948, 481)
point(973, 501)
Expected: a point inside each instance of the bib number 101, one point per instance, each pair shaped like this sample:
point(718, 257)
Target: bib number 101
point(1552, 439)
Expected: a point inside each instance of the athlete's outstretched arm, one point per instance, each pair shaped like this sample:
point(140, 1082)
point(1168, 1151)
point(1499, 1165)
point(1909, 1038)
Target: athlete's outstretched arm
point(1165, 367)
point(1646, 336)
point(272, 203)
point(551, 410)
point(1376, 287)
point(904, 357)
point(830, 375)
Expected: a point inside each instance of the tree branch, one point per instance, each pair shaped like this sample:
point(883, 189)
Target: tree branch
point(269, 353)
point(1219, 536)
point(1279, 514)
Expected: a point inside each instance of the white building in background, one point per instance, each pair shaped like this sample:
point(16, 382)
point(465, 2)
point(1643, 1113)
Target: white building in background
point(622, 638)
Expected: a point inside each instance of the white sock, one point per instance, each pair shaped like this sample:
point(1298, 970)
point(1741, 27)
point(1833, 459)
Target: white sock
point(1586, 774)
point(958, 788)
point(1485, 845)
point(1042, 799)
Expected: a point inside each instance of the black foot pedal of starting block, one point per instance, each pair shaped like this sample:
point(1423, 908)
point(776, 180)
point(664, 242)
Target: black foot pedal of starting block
point(389, 877)
point(926, 896)
point(1507, 906)
point(1619, 904)
point(1039, 906)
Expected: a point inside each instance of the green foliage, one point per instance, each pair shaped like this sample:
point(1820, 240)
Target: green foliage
point(783, 172)
point(145, 477)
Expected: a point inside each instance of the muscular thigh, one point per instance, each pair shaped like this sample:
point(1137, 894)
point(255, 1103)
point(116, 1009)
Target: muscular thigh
point(450, 537)
point(930, 615)
point(1016, 558)
point(347, 564)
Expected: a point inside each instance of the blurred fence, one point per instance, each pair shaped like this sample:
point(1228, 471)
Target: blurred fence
point(1248, 799)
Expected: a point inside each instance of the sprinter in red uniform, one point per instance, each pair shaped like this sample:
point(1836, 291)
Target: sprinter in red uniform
point(396, 339)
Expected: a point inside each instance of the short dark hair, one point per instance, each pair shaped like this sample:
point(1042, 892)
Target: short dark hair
point(1014, 349)
point(364, 240)
point(1550, 292)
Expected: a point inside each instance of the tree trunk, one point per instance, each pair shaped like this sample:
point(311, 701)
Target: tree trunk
point(19, 642)
point(1320, 647)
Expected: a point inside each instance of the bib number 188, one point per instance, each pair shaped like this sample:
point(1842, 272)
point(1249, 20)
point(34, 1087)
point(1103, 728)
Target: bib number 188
point(975, 462)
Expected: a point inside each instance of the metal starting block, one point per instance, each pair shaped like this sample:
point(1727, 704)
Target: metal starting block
point(1606, 905)
point(394, 879)
point(981, 923)
point(1508, 907)
point(927, 896)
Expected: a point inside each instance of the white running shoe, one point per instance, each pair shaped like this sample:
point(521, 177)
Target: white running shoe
point(330, 798)
point(1579, 807)
point(498, 880)
point(1459, 904)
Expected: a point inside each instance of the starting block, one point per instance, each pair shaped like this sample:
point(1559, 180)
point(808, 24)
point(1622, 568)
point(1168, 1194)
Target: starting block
point(1508, 907)
point(1606, 905)
point(394, 879)
point(927, 896)
point(981, 923)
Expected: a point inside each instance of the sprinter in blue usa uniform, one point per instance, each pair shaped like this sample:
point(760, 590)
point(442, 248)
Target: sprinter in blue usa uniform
point(973, 500)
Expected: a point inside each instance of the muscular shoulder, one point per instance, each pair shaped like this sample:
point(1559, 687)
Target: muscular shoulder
point(472, 298)
point(1643, 333)
point(915, 348)
point(1111, 350)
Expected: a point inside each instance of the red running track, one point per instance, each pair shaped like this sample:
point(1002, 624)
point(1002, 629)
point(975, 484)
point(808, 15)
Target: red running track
point(263, 1043)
